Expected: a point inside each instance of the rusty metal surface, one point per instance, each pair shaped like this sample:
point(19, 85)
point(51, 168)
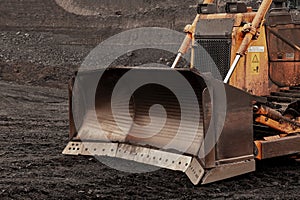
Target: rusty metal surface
point(139, 107)
point(236, 138)
point(255, 25)
point(239, 18)
point(276, 120)
point(214, 28)
point(281, 125)
point(228, 170)
point(282, 15)
point(250, 71)
point(239, 111)
point(283, 35)
point(279, 147)
point(224, 110)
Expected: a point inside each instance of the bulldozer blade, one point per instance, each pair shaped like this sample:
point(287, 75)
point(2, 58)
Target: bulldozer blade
point(177, 119)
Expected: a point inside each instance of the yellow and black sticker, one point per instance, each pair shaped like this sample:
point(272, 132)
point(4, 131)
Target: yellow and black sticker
point(255, 63)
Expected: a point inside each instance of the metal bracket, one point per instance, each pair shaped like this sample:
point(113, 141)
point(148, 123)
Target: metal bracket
point(195, 171)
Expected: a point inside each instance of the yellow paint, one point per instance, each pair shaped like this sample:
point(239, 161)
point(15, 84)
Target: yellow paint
point(252, 77)
point(252, 72)
point(255, 63)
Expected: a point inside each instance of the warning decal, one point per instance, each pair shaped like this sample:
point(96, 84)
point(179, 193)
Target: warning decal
point(255, 63)
point(256, 49)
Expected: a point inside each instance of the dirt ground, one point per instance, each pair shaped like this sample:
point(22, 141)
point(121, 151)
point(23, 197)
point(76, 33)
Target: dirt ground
point(41, 46)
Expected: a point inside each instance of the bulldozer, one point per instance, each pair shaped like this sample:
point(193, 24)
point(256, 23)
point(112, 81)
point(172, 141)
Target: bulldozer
point(250, 112)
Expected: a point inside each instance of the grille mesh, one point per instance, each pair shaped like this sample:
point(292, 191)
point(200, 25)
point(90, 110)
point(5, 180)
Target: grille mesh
point(219, 51)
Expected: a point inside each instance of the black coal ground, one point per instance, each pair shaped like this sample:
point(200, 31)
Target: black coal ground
point(36, 61)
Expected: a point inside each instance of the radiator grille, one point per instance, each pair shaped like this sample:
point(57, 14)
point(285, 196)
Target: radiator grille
point(218, 50)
